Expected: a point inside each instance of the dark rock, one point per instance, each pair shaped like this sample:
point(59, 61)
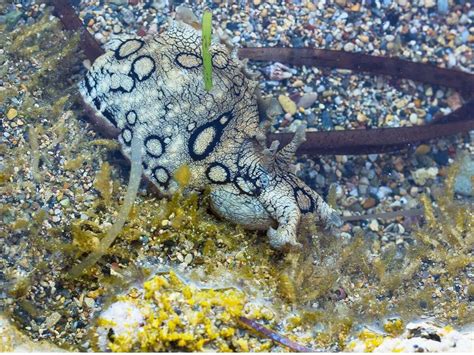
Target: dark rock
point(311, 119)
point(443, 6)
point(75, 3)
point(326, 120)
point(328, 39)
point(371, 236)
point(407, 37)
point(393, 18)
point(369, 203)
point(433, 110)
point(232, 26)
point(463, 182)
point(127, 16)
point(441, 157)
point(348, 170)
point(307, 100)
point(356, 207)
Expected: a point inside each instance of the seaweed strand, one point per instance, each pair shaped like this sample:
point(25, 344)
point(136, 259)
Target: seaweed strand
point(206, 55)
point(113, 232)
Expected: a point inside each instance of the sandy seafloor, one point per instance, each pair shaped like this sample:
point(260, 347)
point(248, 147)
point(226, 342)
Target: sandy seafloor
point(367, 288)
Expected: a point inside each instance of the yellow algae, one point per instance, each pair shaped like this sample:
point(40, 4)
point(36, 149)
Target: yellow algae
point(35, 154)
point(183, 175)
point(74, 164)
point(102, 322)
point(103, 183)
point(20, 224)
point(86, 235)
point(175, 280)
point(56, 52)
point(371, 339)
point(428, 210)
point(294, 322)
point(183, 317)
point(243, 345)
point(286, 287)
point(187, 292)
point(393, 327)
point(448, 329)
point(40, 216)
point(227, 332)
point(121, 344)
point(457, 263)
point(264, 348)
point(154, 285)
point(331, 198)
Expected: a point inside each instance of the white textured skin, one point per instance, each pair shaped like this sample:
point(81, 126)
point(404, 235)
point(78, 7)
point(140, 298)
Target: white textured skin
point(153, 88)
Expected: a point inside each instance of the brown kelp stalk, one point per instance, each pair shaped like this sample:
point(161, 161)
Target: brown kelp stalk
point(380, 140)
point(71, 22)
point(271, 334)
point(358, 62)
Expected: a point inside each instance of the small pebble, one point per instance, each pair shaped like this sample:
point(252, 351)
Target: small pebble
point(349, 47)
point(422, 149)
point(287, 104)
point(374, 225)
point(12, 113)
point(308, 99)
point(369, 203)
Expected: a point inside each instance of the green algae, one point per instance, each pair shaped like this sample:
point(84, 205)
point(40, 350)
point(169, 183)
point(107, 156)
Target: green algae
point(206, 55)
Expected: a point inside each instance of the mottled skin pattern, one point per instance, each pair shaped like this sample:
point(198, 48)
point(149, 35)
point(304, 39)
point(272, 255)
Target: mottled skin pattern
point(152, 89)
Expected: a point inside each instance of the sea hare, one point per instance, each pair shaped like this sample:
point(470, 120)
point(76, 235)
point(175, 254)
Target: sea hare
point(151, 89)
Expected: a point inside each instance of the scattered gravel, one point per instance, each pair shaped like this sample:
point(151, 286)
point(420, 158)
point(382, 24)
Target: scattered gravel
point(438, 32)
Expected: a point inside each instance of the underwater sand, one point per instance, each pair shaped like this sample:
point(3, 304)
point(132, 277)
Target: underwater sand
point(61, 185)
